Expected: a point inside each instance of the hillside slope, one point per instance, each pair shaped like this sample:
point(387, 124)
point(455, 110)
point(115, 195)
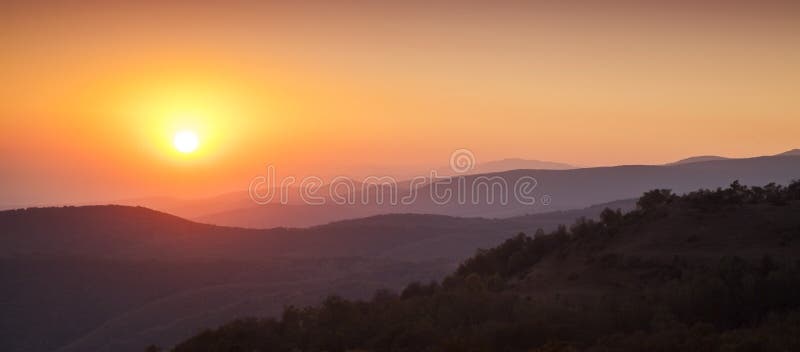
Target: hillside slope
point(122, 232)
point(708, 271)
point(105, 278)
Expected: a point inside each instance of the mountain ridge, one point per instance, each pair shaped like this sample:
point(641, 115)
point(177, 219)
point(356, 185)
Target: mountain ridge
point(568, 189)
point(89, 267)
point(712, 270)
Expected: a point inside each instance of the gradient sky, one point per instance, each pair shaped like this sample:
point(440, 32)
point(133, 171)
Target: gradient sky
point(93, 92)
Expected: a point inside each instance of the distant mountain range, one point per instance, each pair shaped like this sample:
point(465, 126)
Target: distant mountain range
point(701, 158)
point(793, 152)
point(566, 189)
point(697, 159)
point(517, 163)
point(507, 165)
point(237, 206)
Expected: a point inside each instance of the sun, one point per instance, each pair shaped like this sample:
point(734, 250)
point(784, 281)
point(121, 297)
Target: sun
point(186, 141)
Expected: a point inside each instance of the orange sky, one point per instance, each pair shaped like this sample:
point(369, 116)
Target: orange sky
point(92, 93)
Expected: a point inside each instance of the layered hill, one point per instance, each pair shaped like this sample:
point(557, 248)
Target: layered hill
point(494, 194)
point(123, 232)
point(707, 271)
point(106, 278)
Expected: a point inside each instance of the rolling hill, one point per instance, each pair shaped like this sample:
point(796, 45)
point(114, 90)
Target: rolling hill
point(123, 232)
point(105, 278)
point(698, 159)
point(566, 189)
point(708, 271)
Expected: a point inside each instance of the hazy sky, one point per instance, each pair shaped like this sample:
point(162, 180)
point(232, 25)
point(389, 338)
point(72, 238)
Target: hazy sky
point(92, 93)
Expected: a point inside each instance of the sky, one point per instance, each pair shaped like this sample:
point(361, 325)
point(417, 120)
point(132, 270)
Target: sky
point(93, 92)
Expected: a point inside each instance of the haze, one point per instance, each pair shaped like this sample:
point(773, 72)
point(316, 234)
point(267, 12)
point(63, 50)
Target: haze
point(92, 93)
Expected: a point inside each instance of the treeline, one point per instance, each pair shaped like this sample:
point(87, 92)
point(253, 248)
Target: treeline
point(716, 311)
point(734, 304)
point(516, 255)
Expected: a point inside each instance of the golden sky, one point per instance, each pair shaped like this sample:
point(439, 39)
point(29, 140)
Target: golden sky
point(93, 92)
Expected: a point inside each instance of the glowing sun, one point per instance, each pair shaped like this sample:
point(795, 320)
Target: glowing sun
point(186, 141)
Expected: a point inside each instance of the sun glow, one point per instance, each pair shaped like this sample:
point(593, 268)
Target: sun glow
point(186, 141)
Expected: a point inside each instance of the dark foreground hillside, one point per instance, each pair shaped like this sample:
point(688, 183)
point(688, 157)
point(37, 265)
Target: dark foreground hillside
point(707, 271)
point(108, 278)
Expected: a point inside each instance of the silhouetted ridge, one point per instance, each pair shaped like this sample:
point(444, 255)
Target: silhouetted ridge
point(793, 152)
point(111, 272)
point(712, 270)
point(698, 159)
point(568, 189)
point(119, 215)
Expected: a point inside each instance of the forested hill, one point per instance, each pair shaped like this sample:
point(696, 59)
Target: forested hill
point(712, 270)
